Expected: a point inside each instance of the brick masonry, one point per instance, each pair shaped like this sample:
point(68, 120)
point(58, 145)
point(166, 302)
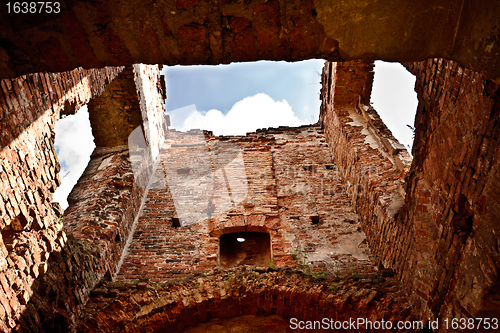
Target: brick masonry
point(118, 33)
point(50, 262)
point(177, 304)
point(281, 181)
point(32, 234)
point(453, 195)
point(370, 160)
point(433, 223)
point(337, 198)
point(106, 201)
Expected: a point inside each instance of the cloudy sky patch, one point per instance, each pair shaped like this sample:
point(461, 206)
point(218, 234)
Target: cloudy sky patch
point(247, 115)
point(242, 97)
point(221, 87)
point(74, 144)
point(395, 100)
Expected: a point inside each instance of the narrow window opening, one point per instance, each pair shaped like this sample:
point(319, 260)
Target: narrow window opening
point(244, 248)
point(176, 222)
point(74, 144)
point(395, 100)
point(309, 168)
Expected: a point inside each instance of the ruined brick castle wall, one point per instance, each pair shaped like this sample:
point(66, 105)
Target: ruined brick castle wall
point(370, 160)
point(452, 203)
point(436, 226)
point(315, 190)
point(49, 267)
point(281, 182)
point(32, 235)
point(106, 201)
point(177, 304)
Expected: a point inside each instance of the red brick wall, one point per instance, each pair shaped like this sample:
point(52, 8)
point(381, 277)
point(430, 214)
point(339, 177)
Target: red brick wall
point(453, 191)
point(436, 226)
point(106, 201)
point(116, 112)
point(177, 304)
point(32, 235)
point(346, 82)
point(370, 160)
point(287, 186)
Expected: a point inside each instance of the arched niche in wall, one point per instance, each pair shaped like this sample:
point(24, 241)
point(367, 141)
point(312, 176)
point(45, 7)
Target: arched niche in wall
point(244, 248)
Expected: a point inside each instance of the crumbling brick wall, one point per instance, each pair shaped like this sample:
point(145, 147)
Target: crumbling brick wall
point(371, 161)
point(436, 224)
point(50, 266)
point(106, 201)
point(280, 181)
point(32, 234)
point(452, 202)
point(177, 304)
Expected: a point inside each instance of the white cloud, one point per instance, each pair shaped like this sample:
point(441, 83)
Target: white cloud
point(74, 143)
point(247, 115)
point(395, 100)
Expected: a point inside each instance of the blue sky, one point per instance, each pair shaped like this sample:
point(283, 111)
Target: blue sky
point(220, 87)
point(242, 97)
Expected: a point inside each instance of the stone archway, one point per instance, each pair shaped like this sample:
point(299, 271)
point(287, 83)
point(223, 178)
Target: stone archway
point(245, 248)
point(176, 305)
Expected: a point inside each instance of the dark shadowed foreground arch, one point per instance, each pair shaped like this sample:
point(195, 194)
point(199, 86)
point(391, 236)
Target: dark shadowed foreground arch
point(288, 293)
point(112, 32)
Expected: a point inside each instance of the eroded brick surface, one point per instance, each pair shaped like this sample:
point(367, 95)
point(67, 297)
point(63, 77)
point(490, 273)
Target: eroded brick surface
point(105, 202)
point(281, 181)
point(433, 223)
point(178, 304)
point(316, 194)
point(116, 113)
point(32, 234)
point(370, 160)
point(315, 210)
point(453, 191)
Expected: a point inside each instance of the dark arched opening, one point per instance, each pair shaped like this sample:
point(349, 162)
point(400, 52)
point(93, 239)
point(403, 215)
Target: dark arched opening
point(245, 248)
